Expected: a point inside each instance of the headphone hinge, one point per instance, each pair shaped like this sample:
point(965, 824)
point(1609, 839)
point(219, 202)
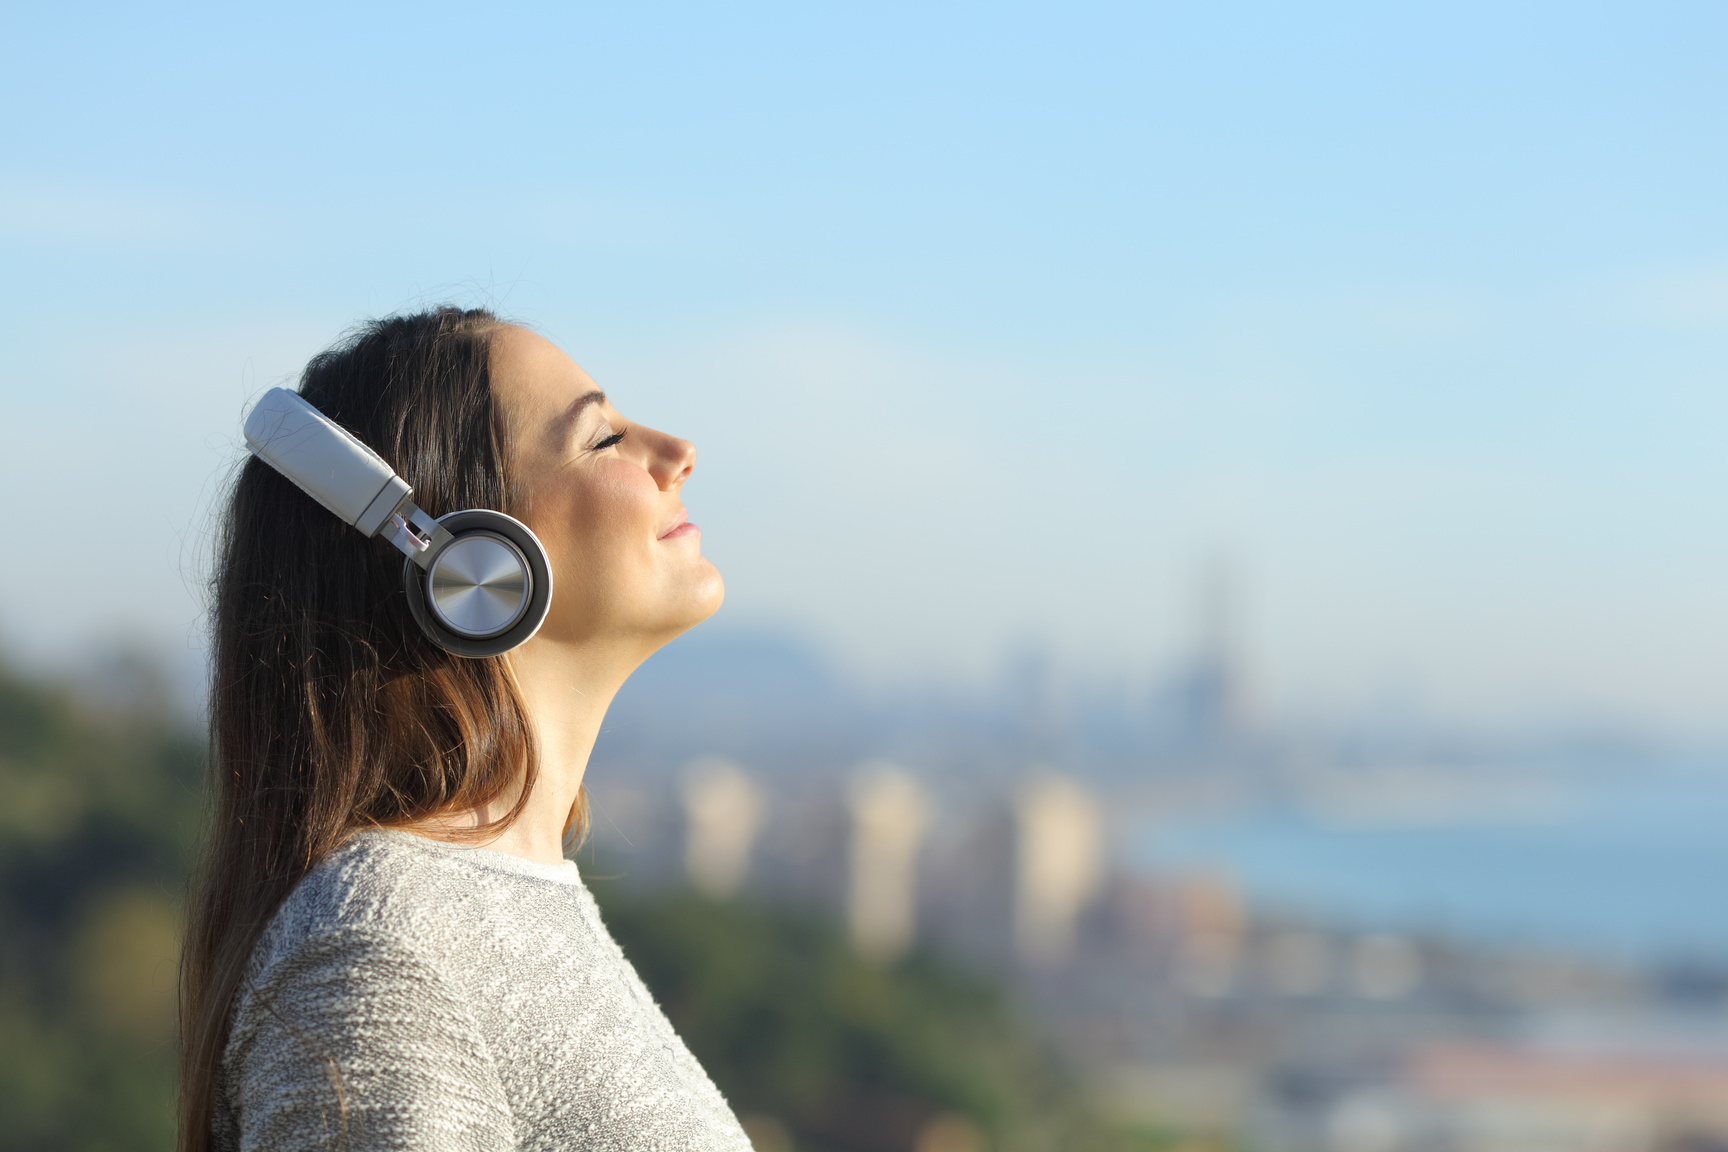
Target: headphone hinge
point(414, 533)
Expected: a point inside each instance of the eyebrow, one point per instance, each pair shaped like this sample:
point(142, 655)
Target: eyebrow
point(566, 422)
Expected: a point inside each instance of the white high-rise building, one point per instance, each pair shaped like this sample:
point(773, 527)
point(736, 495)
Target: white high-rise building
point(723, 810)
point(890, 813)
point(1058, 867)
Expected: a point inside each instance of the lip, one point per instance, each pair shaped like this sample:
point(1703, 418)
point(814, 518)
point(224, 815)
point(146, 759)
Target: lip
point(681, 527)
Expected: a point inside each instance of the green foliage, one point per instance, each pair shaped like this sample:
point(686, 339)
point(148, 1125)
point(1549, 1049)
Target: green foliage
point(101, 810)
point(837, 1054)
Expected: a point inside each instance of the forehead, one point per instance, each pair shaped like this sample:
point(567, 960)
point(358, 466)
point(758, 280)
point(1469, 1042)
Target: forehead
point(534, 381)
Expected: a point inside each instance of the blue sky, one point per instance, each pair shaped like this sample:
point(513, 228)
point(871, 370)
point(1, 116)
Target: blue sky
point(991, 322)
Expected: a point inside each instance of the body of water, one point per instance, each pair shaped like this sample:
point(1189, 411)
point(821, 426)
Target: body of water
point(1631, 862)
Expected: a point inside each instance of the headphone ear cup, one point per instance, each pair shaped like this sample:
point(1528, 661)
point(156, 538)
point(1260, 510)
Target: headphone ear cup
point(509, 545)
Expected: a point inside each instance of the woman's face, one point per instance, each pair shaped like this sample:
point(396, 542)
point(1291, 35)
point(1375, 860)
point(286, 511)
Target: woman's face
point(603, 495)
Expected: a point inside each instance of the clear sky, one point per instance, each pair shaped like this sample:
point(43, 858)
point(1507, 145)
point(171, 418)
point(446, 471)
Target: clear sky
point(992, 322)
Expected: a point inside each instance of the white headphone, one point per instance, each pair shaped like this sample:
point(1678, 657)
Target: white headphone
point(478, 582)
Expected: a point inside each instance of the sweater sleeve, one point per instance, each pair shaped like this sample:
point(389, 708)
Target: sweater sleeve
point(351, 1040)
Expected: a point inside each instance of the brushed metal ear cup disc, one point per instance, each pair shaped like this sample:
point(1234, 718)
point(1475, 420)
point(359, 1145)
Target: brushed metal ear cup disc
point(479, 584)
point(487, 590)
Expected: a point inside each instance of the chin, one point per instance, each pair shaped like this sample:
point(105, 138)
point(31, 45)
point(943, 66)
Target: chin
point(705, 598)
point(694, 603)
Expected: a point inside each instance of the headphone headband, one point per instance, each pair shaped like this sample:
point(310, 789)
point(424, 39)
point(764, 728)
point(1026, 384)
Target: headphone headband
point(324, 460)
point(500, 577)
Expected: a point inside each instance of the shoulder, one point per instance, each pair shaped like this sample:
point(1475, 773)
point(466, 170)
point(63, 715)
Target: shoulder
point(394, 885)
point(376, 910)
point(393, 895)
point(375, 880)
point(354, 1005)
point(364, 957)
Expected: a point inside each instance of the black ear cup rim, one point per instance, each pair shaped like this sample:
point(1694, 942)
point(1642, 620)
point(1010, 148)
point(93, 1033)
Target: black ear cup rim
point(484, 520)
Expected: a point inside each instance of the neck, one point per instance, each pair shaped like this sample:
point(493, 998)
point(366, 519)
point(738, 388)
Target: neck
point(566, 689)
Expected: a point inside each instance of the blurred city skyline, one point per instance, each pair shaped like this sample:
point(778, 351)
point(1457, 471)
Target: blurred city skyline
point(995, 328)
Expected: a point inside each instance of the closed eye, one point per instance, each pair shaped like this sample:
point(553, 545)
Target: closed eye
point(609, 442)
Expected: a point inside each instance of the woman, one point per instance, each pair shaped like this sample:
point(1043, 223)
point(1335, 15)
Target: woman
point(387, 948)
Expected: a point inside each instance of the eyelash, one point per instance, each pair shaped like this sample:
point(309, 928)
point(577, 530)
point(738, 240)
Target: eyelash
point(609, 441)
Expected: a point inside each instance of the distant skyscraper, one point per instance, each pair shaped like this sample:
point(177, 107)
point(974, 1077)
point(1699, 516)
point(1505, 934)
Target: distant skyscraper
point(723, 811)
point(889, 816)
point(1058, 865)
point(1208, 694)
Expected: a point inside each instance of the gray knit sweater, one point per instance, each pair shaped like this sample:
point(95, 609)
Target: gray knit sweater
point(414, 995)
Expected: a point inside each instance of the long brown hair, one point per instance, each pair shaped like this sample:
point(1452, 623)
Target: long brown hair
point(329, 710)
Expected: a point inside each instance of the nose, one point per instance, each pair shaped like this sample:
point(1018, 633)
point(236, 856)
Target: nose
point(671, 462)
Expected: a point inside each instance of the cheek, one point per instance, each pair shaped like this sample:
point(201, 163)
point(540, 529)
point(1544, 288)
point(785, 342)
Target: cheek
point(600, 528)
